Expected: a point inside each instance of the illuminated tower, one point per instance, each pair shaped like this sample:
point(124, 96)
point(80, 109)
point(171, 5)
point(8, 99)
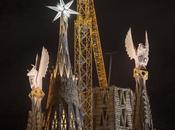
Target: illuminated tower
point(63, 110)
point(142, 112)
point(36, 74)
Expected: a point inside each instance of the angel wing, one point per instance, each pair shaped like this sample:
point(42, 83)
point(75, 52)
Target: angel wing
point(146, 43)
point(43, 63)
point(130, 49)
point(43, 66)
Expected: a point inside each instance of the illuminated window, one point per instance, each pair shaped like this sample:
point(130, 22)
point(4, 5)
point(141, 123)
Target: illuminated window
point(63, 121)
point(72, 121)
point(54, 121)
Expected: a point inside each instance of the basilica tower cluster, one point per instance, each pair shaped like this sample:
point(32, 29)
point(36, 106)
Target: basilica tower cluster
point(73, 102)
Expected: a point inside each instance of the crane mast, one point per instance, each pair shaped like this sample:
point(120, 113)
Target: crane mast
point(83, 60)
point(86, 45)
point(97, 50)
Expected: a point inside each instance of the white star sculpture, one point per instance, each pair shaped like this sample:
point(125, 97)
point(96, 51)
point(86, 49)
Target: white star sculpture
point(62, 9)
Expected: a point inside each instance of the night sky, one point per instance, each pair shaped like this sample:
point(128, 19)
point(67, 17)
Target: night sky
point(26, 25)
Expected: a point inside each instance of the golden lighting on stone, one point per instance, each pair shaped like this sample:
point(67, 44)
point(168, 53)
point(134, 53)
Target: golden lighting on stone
point(37, 92)
point(141, 73)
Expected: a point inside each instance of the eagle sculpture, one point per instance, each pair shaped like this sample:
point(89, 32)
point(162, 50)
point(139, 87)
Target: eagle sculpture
point(140, 55)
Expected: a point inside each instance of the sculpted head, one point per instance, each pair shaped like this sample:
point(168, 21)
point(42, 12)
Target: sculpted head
point(142, 54)
point(32, 74)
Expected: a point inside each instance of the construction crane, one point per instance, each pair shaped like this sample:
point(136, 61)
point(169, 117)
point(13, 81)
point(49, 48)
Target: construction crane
point(86, 45)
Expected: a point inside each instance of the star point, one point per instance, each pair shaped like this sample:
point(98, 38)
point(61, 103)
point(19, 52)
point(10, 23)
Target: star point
point(62, 9)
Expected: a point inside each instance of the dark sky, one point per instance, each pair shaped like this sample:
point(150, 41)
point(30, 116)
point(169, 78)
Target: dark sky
point(26, 25)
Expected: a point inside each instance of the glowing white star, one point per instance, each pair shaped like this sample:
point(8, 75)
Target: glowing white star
point(63, 10)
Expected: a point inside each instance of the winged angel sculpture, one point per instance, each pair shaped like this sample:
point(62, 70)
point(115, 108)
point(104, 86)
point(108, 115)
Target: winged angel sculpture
point(38, 71)
point(140, 55)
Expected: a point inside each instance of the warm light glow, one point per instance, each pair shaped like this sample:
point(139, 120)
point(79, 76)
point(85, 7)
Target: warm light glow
point(72, 121)
point(63, 121)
